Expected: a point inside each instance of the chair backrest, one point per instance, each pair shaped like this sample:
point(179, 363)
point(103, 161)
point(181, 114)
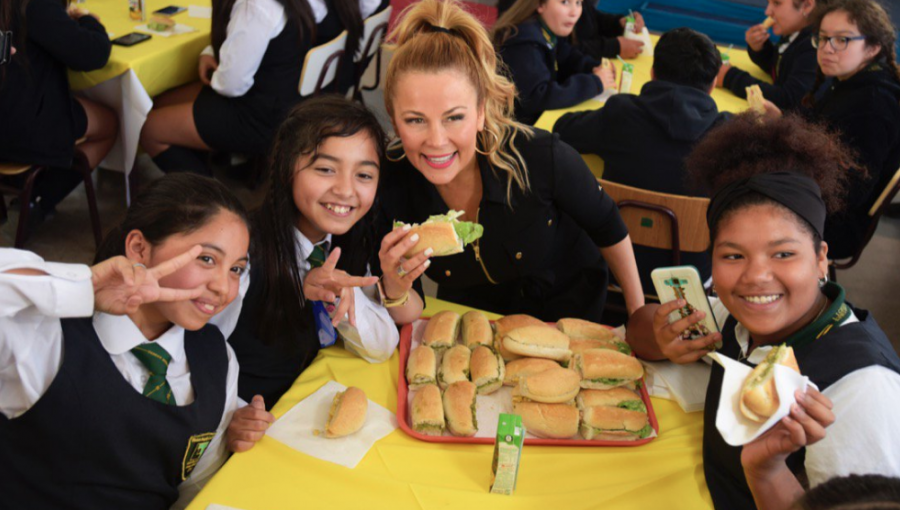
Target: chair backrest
point(324, 59)
point(886, 196)
point(661, 220)
point(374, 30)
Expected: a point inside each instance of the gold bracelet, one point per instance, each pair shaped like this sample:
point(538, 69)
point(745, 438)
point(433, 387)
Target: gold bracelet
point(388, 302)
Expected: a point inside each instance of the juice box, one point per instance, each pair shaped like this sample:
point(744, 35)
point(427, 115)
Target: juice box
point(507, 454)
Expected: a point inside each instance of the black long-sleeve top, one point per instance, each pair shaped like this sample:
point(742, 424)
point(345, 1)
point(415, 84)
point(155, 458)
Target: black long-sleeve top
point(539, 253)
point(597, 33)
point(547, 76)
point(35, 100)
point(793, 72)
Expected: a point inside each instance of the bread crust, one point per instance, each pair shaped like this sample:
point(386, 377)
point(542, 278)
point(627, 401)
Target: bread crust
point(553, 386)
point(427, 411)
point(759, 397)
point(768, 22)
point(421, 367)
point(439, 236)
point(348, 413)
point(509, 323)
point(579, 328)
point(476, 329)
point(552, 421)
point(454, 365)
point(538, 342)
point(522, 367)
point(607, 398)
point(459, 403)
point(442, 330)
point(612, 423)
point(486, 369)
point(607, 364)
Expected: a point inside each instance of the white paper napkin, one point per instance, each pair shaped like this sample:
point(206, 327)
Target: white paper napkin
point(214, 506)
point(199, 11)
point(296, 428)
point(685, 384)
point(176, 30)
point(736, 429)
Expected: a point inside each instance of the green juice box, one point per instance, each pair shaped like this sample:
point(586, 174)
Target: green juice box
point(507, 454)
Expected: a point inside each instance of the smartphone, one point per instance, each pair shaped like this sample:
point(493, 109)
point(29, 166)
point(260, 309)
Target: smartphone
point(170, 10)
point(5, 47)
point(683, 282)
point(131, 39)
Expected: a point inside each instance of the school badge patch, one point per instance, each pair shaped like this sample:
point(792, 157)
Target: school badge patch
point(196, 446)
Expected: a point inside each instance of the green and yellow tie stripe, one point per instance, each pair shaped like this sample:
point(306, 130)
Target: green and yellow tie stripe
point(156, 359)
point(318, 256)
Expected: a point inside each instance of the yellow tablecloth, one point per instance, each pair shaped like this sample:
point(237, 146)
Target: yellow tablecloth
point(160, 63)
point(400, 472)
point(725, 99)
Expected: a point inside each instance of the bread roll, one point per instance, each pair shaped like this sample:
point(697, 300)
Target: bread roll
point(768, 22)
point(602, 369)
point(553, 386)
point(440, 237)
point(579, 345)
point(509, 323)
point(427, 411)
point(522, 367)
point(578, 328)
point(441, 330)
point(454, 365)
point(616, 397)
point(487, 370)
point(421, 367)
point(538, 342)
point(459, 409)
point(552, 421)
point(755, 99)
point(476, 330)
point(759, 397)
point(614, 424)
point(347, 414)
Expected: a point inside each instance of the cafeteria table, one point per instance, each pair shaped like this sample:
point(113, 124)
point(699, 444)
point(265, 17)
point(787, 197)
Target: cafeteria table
point(725, 99)
point(138, 73)
point(401, 472)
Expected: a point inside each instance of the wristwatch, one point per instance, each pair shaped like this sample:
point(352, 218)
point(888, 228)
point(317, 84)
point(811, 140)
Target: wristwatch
point(388, 302)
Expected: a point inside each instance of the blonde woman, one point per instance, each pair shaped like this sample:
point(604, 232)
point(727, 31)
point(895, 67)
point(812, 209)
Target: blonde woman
point(549, 73)
point(549, 230)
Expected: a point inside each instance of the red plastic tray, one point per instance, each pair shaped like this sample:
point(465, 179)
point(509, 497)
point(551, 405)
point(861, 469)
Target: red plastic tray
point(403, 413)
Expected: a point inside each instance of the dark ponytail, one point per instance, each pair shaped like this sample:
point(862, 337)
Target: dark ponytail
point(351, 19)
point(178, 203)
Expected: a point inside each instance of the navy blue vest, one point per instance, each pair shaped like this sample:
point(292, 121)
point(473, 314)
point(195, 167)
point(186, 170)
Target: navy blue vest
point(826, 360)
point(92, 442)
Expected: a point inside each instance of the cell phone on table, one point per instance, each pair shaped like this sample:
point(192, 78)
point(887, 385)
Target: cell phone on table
point(170, 10)
point(5, 47)
point(130, 39)
point(683, 282)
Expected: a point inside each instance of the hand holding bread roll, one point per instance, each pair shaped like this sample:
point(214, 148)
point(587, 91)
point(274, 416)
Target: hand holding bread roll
point(427, 411)
point(486, 369)
point(459, 409)
point(552, 421)
point(454, 365)
point(441, 331)
point(523, 367)
point(553, 386)
point(476, 330)
point(538, 342)
point(444, 234)
point(347, 414)
point(768, 22)
point(602, 369)
point(759, 398)
point(421, 367)
point(756, 100)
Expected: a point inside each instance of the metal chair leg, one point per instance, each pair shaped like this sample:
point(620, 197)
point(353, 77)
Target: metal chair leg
point(25, 206)
point(81, 165)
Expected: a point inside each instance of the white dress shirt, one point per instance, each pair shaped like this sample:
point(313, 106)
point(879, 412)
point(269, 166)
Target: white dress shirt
point(252, 25)
point(31, 347)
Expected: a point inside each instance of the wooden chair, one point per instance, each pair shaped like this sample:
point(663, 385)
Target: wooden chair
point(875, 212)
point(661, 220)
point(31, 173)
point(374, 30)
point(325, 59)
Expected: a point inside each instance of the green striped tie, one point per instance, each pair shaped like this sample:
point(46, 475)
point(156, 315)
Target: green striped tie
point(156, 359)
point(317, 257)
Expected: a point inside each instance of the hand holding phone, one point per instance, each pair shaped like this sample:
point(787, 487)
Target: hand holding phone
point(683, 283)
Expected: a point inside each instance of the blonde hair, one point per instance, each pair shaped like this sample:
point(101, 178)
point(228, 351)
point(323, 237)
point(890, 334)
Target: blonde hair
point(437, 35)
point(507, 24)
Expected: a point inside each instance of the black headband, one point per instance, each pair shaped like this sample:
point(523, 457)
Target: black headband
point(435, 28)
point(795, 191)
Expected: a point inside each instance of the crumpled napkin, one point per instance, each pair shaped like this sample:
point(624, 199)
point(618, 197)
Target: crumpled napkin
point(296, 428)
point(736, 429)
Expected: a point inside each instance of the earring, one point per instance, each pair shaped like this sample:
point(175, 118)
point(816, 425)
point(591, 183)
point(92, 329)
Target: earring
point(392, 146)
point(483, 144)
point(822, 281)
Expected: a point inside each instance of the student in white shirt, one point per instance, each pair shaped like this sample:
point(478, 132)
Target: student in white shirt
point(249, 79)
point(114, 390)
point(324, 179)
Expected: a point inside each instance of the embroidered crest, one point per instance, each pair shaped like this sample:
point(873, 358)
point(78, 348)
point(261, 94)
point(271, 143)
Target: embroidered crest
point(196, 446)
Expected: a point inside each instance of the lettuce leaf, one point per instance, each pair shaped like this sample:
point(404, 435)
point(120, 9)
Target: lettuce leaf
point(633, 405)
point(623, 348)
point(644, 432)
point(467, 231)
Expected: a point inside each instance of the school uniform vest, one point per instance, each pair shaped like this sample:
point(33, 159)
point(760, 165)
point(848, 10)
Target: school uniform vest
point(278, 76)
point(92, 442)
point(270, 366)
point(826, 360)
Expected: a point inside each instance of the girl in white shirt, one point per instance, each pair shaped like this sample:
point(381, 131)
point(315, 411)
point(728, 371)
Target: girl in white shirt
point(249, 80)
point(314, 230)
point(114, 390)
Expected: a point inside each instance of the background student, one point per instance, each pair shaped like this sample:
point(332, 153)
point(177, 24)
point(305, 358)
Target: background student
point(548, 230)
point(791, 62)
point(115, 391)
point(771, 183)
point(644, 139)
point(41, 119)
point(324, 179)
point(532, 39)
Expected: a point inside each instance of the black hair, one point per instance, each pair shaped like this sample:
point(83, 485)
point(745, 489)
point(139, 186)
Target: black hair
point(274, 244)
point(686, 57)
point(179, 203)
point(854, 492)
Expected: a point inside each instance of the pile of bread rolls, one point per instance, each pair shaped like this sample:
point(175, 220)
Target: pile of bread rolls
point(577, 377)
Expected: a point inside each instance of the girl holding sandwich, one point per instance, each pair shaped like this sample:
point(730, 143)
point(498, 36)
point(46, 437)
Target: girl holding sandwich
point(771, 184)
point(549, 230)
point(116, 389)
point(314, 240)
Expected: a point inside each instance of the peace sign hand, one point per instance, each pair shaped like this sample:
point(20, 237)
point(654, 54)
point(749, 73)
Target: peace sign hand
point(327, 284)
point(121, 286)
